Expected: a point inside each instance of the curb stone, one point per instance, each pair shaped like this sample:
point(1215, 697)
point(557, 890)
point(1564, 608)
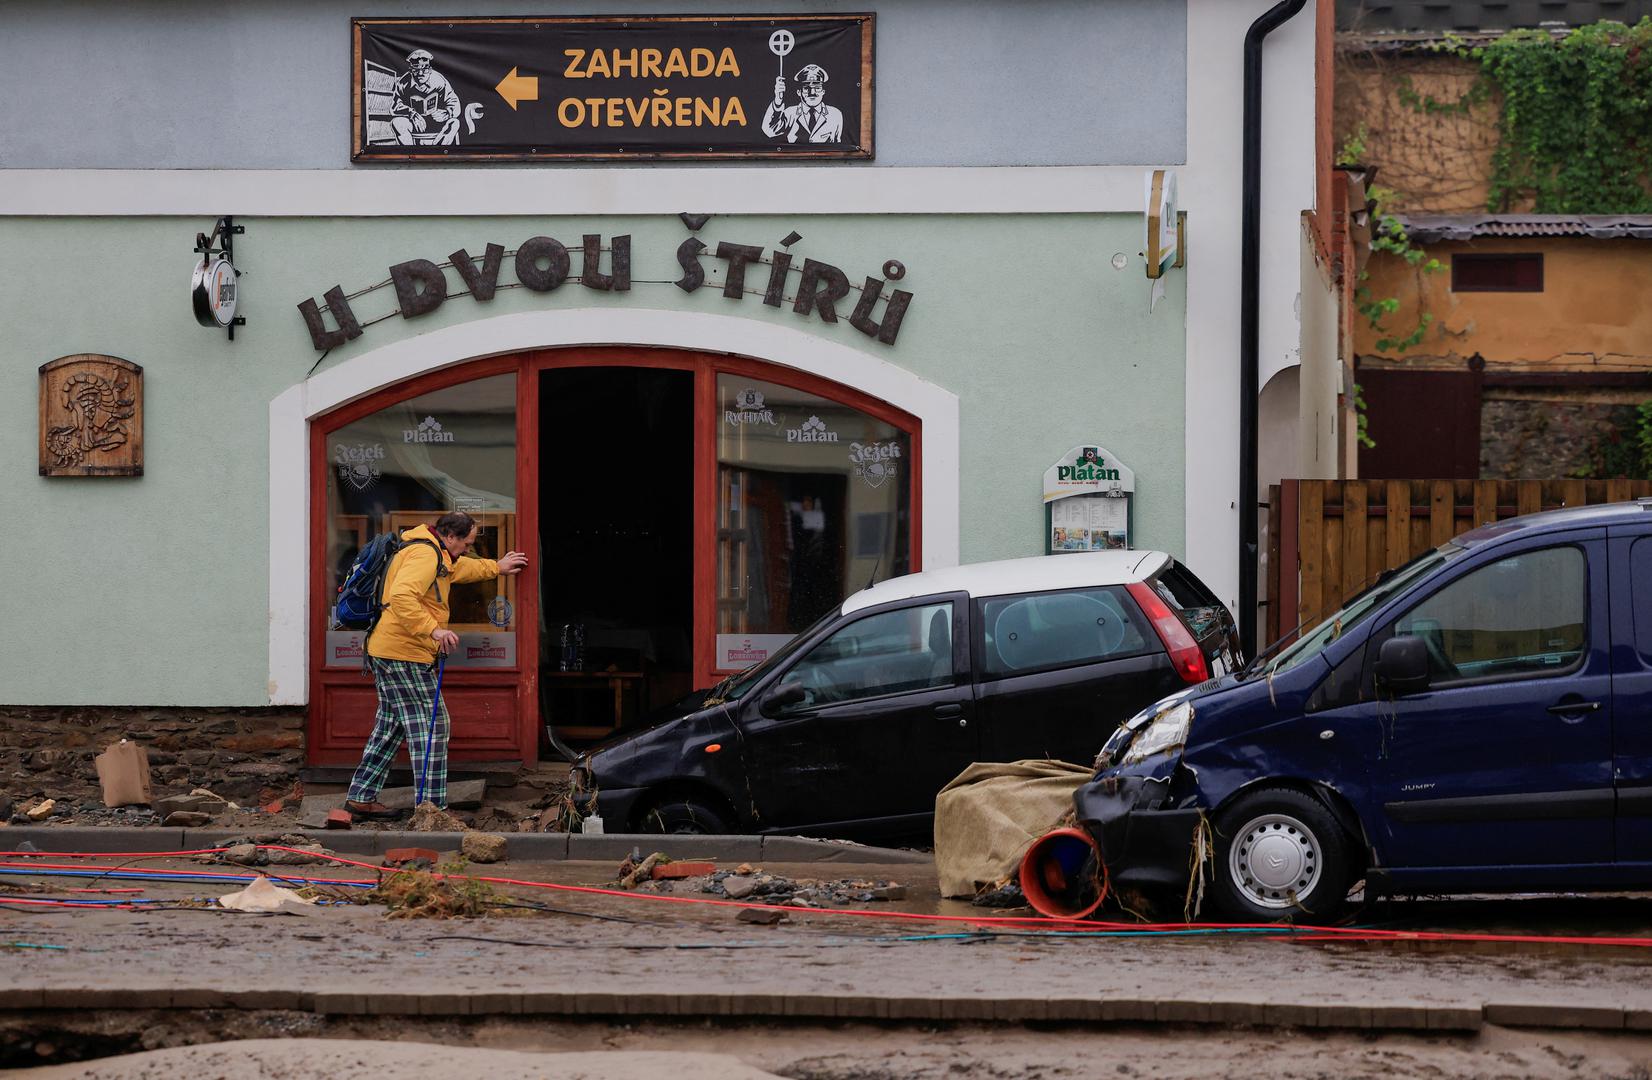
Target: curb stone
point(928, 1008)
point(527, 847)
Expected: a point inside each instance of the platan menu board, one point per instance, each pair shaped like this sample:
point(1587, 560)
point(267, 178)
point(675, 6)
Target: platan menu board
point(746, 86)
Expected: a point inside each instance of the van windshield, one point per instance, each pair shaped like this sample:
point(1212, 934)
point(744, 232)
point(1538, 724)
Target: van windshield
point(1354, 612)
point(735, 686)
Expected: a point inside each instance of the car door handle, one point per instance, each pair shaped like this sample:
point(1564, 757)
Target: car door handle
point(948, 712)
point(1574, 707)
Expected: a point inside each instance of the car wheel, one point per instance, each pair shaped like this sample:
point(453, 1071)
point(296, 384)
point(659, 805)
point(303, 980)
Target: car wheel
point(683, 816)
point(1280, 855)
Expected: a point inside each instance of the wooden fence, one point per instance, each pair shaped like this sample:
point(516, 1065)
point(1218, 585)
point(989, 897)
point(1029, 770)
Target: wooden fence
point(1328, 539)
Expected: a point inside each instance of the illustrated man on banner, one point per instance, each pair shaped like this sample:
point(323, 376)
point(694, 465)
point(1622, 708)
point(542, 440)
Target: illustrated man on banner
point(811, 120)
point(426, 110)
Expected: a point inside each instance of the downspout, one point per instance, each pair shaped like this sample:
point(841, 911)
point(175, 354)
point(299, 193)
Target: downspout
point(1250, 224)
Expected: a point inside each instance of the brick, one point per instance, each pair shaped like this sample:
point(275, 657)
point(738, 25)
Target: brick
point(1455, 1018)
point(599, 1004)
point(549, 1002)
point(1344, 1015)
point(340, 1004)
point(1287, 1014)
point(1074, 1010)
point(386, 1004)
point(446, 1004)
point(1399, 1017)
point(22, 997)
point(1114, 1010)
point(495, 1004)
point(338, 819)
point(400, 855)
point(202, 998)
point(676, 871)
point(266, 999)
point(1175, 1011)
point(1602, 1017)
point(1238, 1012)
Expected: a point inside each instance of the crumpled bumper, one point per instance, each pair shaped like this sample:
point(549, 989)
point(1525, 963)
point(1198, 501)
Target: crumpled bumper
point(1144, 843)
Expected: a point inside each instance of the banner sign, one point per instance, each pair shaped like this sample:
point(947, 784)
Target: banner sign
point(486, 89)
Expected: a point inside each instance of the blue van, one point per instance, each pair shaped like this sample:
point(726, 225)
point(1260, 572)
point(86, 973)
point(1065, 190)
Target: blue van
point(1479, 720)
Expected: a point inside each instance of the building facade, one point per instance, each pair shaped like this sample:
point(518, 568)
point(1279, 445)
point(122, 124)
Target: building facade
point(709, 396)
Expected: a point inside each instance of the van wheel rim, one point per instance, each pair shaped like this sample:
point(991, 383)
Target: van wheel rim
point(1275, 861)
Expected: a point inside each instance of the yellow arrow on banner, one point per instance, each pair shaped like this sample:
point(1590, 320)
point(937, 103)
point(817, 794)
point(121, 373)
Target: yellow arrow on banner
point(514, 88)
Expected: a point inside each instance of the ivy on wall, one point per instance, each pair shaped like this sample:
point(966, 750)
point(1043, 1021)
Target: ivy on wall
point(1575, 123)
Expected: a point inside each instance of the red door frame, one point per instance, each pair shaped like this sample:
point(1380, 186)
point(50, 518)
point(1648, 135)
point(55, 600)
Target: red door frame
point(524, 678)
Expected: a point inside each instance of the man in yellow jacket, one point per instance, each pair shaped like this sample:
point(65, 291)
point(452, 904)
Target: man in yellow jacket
point(402, 652)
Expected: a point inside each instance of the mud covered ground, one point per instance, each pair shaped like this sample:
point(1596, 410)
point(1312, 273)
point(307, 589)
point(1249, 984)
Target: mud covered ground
point(653, 946)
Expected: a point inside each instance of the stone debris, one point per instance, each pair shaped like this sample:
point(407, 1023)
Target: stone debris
point(760, 916)
point(251, 851)
point(186, 819)
point(428, 817)
point(762, 887)
point(41, 811)
point(480, 847)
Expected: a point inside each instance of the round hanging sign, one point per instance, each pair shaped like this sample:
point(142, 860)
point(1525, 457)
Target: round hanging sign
point(213, 292)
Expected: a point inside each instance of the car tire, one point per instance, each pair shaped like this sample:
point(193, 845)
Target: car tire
point(1281, 856)
point(683, 816)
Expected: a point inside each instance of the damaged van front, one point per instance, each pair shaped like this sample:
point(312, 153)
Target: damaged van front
point(1240, 785)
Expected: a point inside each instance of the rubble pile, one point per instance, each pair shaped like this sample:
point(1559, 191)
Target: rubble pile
point(755, 885)
point(246, 851)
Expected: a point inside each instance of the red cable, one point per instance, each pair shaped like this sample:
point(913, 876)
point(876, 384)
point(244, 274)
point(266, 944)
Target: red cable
point(1300, 933)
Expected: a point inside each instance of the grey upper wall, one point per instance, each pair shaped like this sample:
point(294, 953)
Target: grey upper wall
point(130, 84)
point(1400, 16)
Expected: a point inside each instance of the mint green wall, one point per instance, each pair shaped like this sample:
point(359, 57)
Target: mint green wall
point(154, 591)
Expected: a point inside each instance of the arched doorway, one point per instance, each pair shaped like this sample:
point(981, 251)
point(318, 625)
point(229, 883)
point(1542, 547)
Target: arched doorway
point(684, 514)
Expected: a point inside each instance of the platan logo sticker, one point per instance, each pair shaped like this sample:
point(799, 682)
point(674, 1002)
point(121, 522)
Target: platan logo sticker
point(499, 611)
point(813, 430)
point(1088, 467)
point(748, 409)
point(358, 465)
point(429, 430)
point(485, 650)
point(874, 462)
point(745, 654)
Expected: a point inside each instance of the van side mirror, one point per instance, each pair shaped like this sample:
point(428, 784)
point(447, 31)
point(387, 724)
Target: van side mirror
point(1402, 664)
point(780, 698)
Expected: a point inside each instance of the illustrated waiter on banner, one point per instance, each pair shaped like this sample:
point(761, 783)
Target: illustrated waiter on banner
point(811, 120)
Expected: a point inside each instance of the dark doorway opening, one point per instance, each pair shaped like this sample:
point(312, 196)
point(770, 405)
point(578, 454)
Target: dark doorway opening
point(616, 527)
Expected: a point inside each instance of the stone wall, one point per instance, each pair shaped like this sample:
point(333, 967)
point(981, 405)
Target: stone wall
point(245, 755)
point(1542, 436)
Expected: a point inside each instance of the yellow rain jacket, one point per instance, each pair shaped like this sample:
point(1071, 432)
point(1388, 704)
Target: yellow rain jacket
point(416, 588)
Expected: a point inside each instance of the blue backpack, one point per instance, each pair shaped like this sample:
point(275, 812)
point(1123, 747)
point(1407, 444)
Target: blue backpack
point(360, 598)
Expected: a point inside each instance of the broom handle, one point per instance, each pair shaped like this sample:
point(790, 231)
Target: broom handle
point(430, 736)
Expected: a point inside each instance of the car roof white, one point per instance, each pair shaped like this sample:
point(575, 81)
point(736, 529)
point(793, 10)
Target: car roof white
point(1041, 573)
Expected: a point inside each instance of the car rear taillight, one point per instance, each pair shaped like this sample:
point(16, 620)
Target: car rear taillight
point(1185, 654)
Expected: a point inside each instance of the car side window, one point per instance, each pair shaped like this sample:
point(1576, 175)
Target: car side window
point(1038, 631)
point(1640, 578)
point(1520, 615)
point(887, 653)
point(1195, 603)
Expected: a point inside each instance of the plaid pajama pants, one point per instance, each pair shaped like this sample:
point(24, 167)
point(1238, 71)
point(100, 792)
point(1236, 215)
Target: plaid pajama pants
point(405, 691)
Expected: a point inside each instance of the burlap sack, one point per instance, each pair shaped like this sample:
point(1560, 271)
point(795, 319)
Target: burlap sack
point(990, 813)
point(123, 770)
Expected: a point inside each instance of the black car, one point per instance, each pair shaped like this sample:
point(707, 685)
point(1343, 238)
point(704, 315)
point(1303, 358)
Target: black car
point(857, 723)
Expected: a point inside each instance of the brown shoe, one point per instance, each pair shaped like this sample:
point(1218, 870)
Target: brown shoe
point(370, 810)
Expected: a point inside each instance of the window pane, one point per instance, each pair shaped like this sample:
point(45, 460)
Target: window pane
point(1640, 575)
point(881, 654)
point(1029, 633)
point(1497, 273)
point(406, 465)
point(813, 499)
point(1518, 615)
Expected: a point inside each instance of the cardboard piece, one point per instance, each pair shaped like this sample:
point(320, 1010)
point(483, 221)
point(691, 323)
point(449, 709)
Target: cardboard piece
point(123, 770)
point(263, 896)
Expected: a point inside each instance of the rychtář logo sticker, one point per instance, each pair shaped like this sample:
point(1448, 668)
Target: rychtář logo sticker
point(749, 409)
point(812, 430)
point(358, 465)
point(875, 462)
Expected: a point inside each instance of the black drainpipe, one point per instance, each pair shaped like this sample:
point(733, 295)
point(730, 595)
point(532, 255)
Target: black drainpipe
point(1250, 224)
